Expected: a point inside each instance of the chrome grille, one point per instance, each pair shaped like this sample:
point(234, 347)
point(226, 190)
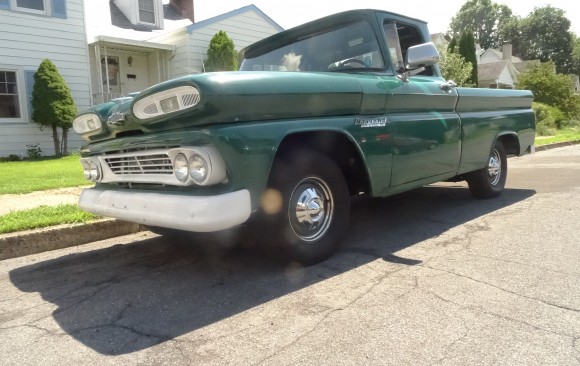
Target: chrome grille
point(140, 164)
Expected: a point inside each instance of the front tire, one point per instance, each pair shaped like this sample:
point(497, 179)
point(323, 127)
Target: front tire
point(314, 207)
point(489, 182)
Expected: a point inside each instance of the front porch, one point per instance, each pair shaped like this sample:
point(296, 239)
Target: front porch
point(120, 66)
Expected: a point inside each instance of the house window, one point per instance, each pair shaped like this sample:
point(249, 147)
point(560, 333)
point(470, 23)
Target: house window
point(146, 11)
point(35, 6)
point(9, 101)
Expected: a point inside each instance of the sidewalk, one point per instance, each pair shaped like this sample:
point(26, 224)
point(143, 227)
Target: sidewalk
point(52, 197)
point(28, 242)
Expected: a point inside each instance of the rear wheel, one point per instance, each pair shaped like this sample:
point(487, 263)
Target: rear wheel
point(307, 207)
point(489, 182)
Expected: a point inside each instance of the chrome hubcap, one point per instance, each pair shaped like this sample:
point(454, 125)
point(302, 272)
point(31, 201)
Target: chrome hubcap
point(494, 167)
point(311, 208)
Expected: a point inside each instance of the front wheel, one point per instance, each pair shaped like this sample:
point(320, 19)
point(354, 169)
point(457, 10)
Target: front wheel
point(489, 182)
point(313, 207)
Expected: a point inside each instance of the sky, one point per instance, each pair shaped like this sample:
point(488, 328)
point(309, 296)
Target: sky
point(438, 14)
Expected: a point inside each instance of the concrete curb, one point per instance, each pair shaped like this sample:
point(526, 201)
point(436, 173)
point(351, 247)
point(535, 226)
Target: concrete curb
point(23, 243)
point(556, 145)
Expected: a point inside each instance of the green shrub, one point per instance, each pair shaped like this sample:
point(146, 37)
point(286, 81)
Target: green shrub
point(11, 157)
point(543, 130)
point(33, 151)
point(548, 116)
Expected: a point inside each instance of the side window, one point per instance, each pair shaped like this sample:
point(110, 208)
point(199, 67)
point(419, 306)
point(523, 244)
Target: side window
point(9, 95)
point(352, 47)
point(33, 6)
point(53, 8)
point(394, 46)
point(399, 38)
point(146, 11)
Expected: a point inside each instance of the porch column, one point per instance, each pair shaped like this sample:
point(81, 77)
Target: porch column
point(99, 72)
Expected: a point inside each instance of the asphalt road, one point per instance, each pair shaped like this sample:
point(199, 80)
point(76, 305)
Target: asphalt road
point(430, 277)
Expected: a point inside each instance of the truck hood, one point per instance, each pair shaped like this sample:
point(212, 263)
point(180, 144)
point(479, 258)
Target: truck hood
point(234, 97)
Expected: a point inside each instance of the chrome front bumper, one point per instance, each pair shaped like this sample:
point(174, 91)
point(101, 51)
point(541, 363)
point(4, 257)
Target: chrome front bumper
point(190, 213)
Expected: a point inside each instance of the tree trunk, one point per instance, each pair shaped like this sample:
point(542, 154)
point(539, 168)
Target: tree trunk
point(55, 140)
point(64, 140)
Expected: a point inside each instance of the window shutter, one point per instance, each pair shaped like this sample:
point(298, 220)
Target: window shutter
point(4, 4)
point(58, 8)
point(29, 76)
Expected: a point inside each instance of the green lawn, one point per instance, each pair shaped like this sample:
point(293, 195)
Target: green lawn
point(42, 217)
point(568, 134)
point(30, 176)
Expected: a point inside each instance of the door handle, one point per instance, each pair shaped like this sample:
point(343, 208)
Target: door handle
point(448, 86)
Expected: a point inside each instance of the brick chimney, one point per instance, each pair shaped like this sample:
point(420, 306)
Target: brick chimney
point(184, 7)
point(507, 52)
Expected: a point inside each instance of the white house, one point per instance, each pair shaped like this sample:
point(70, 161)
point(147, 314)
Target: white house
point(31, 31)
point(122, 59)
point(119, 47)
point(134, 44)
point(244, 26)
point(500, 69)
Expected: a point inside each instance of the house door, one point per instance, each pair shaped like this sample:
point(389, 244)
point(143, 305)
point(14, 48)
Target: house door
point(111, 74)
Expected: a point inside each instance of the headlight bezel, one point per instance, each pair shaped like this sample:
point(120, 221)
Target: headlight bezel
point(92, 169)
point(181, 167)
point(199, 180)
point(186, 96)
point(82, 124)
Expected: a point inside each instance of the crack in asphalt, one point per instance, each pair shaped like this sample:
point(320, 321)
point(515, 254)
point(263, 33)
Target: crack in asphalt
point(483, 311)
point(525, 264)
point(113, 323)
point(182, 352)
point(449, 346)
point(331, 312)
point(31, 325)
point(562, 307)
point(495, 315)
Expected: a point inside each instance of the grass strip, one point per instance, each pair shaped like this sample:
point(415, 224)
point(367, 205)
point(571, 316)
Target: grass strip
point(38, 175)
point(568, 134)
point(43, 216)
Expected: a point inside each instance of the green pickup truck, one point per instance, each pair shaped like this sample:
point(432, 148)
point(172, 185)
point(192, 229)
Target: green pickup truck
point(350, 104)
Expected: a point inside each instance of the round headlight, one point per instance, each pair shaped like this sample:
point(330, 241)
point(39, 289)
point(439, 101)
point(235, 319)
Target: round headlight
point(198, 169)
point(180, 167)
point(94, 173)
point(86, 170)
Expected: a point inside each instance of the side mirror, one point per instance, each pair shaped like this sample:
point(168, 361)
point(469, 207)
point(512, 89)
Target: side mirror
point(422, 55)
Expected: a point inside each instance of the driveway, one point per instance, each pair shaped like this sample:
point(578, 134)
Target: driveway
point(429, 277)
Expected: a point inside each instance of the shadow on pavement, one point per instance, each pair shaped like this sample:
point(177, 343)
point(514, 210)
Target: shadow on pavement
point(129, 297)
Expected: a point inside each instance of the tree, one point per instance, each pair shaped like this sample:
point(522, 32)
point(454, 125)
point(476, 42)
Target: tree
point(52, 104)
point(484, 18)
point(454, 67)
point(547, 37)
point(466, 48)
point(549, 87)
point(576, 56)
point(221, 54)
point(509, 32)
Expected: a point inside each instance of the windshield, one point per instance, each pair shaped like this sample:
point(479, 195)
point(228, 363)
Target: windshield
point(353, 47)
